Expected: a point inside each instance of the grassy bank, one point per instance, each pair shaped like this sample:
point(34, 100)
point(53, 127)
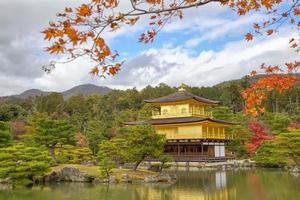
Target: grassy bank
point(95, 171)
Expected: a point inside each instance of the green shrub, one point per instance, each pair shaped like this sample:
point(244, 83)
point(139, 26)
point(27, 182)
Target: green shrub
point(268, 155)
point(23, 164)
point(5, 134)
point(283, 150)
point(70, 154)
point(278, 122)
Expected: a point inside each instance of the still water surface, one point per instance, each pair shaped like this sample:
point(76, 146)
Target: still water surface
point(213, 185)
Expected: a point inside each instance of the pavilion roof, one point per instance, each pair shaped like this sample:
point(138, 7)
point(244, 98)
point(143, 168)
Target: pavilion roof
point(181, 95)
point(178, 120)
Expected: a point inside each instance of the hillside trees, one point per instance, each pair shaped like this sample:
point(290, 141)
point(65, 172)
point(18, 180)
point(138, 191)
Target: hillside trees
point(95, 133)
point(78, 111)
point(231, 97)
point(11, 111)
point(49, 103)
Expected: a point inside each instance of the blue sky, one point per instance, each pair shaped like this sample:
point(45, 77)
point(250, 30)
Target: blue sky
point(205, 48)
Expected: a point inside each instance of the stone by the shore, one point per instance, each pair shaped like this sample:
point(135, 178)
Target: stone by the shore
point(151, 179)
point(161, 178)
point(71, 174)
point(296, 169)
point(112, 180)
point(126, 179)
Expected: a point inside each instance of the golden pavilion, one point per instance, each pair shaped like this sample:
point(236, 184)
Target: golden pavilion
point(192, 133)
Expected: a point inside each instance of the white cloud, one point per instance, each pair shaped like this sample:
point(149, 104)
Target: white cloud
point(176, 65)
point(226, 28)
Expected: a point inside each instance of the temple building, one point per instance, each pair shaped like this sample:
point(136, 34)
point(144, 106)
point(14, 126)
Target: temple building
point(192, 133)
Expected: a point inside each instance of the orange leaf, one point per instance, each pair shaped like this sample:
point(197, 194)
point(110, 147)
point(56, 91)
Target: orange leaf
point(296, 11)
point(68, 10)
point(190, 1)
point(56, 48)
point(106, 50)
point(84, 10)
point(94, 71)
point(270, 32)
point(52, 33)
point(100, 42)
point(153, 1)
point(49, 33)
point(132, 21)
point(249, 36)
point(72, 34)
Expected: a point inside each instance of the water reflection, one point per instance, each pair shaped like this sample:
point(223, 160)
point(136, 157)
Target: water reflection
point(193, 185)
point(220, 180)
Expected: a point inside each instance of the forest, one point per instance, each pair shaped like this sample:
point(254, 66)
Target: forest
point(42, 131)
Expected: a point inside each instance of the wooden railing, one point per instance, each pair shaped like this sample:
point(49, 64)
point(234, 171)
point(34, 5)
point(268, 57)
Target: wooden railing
point(221, 136)
point(194, 158)
point(179, 113)
point(217, 136)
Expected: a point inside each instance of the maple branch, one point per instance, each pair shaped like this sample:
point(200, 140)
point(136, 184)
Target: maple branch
point(284, 19)
point(147, 12)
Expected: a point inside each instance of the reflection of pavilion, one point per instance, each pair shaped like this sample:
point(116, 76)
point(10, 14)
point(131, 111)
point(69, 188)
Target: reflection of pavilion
point(192, 186)
point(220, 180)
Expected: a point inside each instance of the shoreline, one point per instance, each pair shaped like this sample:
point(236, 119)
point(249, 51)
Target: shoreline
point(83, 173)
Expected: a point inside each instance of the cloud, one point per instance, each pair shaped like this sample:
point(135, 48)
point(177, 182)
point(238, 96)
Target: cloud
point(21, 43)
point(176, 65)
point(224, 28)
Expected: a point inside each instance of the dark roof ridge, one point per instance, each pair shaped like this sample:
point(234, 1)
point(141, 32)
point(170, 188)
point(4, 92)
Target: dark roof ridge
point(176, 120)
point(181, 96)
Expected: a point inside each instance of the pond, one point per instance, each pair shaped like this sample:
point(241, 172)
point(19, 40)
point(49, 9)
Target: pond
point(193, 185)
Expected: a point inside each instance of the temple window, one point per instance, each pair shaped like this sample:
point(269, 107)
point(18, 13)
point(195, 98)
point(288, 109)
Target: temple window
point(165, 112)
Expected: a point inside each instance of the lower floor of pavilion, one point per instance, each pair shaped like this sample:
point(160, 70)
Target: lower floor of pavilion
point(197, 150)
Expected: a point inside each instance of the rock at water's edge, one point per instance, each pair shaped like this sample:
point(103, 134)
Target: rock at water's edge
point(68, 174)
point(165, 178)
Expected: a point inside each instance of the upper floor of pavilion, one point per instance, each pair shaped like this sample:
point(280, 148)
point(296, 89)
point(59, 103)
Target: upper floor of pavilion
point(181, 104)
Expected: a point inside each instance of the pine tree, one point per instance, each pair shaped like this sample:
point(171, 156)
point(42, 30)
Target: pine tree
point(51, 133)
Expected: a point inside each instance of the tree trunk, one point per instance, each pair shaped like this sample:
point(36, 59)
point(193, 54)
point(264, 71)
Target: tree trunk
point(137, 165)
point(161, 166)
point(94, 150)
point(52, 153)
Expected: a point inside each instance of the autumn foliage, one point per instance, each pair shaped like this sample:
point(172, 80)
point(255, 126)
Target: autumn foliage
point(275, 79)
point(259, 134)
point(81, 140)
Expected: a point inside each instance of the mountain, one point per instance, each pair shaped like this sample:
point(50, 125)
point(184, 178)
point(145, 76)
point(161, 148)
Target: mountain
point(86, 89)
point(31, 93)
